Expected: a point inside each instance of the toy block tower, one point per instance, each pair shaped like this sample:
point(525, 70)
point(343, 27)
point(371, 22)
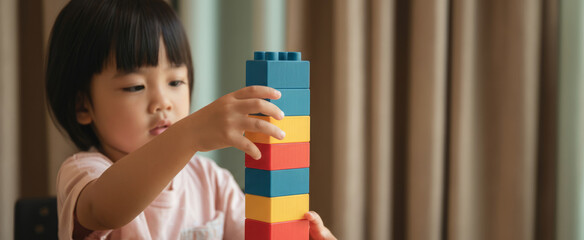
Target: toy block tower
point(276, 185)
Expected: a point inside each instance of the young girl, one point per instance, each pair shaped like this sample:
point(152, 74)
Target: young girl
point(118, 81)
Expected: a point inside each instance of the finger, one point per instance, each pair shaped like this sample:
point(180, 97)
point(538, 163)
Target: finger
point(247, 146)
point(262, 126)
point(251, 106)
point(314, 219)
point(317, 228)
point(257, 92)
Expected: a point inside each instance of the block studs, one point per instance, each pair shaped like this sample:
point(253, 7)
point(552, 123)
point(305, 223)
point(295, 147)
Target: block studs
point(293, 56)
point(271, 56)
point(282, 55)
point(275, 56)
point(259, 55)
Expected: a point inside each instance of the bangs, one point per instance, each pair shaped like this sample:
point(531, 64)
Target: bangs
point(137, 33)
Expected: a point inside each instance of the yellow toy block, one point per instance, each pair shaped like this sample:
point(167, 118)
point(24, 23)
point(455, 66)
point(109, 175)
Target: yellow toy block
point(297, 129)
point(276, 209)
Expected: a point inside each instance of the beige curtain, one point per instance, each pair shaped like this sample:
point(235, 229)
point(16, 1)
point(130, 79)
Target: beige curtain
point(431, 119)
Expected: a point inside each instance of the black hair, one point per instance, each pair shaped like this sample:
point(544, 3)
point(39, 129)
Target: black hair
point(88, 33)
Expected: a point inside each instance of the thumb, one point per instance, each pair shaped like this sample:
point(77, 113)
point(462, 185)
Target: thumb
point(317, 228)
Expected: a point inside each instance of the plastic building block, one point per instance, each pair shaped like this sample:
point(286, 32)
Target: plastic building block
point(290, 230)
point(294, 102)
point(280, 156)
point(283, 56)
point(272, 70)
point(294, 56)
point(297, 129)
point(276, 209)
point(276, 183)
point(272, 56)
point(259, 55)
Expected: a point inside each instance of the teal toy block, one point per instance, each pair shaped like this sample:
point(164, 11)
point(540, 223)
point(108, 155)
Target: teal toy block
point(294, 102)
point(282, 70)
point(276, 183)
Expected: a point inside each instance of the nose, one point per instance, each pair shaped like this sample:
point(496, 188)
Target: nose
point(159, 101)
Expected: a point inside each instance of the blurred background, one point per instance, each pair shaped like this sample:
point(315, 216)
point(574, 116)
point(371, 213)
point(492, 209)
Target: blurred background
point(445, 119)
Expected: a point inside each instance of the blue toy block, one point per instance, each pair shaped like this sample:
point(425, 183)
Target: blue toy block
point(282, 56)
point(282, 70)
point(294, 102)
point(276, 183)
point(273, 56)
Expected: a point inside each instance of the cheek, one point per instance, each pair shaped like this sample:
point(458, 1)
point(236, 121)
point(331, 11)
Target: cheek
point(119, 119)
point(183, 104)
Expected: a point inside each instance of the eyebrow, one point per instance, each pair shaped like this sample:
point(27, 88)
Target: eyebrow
point(140, 70)
point(121, 73)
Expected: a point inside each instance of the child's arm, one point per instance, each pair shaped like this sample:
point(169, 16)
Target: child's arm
point(134, 181)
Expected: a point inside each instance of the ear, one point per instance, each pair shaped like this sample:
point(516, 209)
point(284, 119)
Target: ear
point(83, 109)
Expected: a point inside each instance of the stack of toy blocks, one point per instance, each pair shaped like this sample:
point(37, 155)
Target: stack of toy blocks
point(276, 185)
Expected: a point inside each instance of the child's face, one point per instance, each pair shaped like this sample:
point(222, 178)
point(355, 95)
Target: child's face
point(130, 108)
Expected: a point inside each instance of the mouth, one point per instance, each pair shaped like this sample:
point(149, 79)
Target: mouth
point(160, 127)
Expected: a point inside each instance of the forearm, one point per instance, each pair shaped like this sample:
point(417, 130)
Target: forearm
point(134, 181)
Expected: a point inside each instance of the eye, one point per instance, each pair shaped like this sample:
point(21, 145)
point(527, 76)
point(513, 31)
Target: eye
point(176, 83)
point(134, 88)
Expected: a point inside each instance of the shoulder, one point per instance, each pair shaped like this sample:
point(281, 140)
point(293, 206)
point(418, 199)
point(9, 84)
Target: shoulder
point(74, 174)
point(79, 166)
point(83, 160)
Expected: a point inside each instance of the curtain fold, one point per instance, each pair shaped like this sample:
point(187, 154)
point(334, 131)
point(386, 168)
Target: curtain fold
point(427, 138)
point(436, 113)
point(380, 104)
point(464, 220)
point(545, 225)
point(507, 77)
point(348, 118)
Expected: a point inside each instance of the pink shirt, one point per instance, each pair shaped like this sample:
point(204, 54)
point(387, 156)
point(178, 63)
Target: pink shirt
point(202, 202)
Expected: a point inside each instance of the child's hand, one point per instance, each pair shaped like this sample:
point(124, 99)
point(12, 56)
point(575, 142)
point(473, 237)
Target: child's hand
point(222, 123)
point(317, 229)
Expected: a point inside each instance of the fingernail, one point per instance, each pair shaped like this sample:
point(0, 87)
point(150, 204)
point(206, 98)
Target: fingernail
point(282, 113)
point(278, 93)
point(282, 134)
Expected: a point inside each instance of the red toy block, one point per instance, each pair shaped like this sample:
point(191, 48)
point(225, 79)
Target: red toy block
point(281, 156)
point(290, 230)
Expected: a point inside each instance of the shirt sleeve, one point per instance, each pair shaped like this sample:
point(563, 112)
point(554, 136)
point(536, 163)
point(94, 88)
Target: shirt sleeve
point(75, 173)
